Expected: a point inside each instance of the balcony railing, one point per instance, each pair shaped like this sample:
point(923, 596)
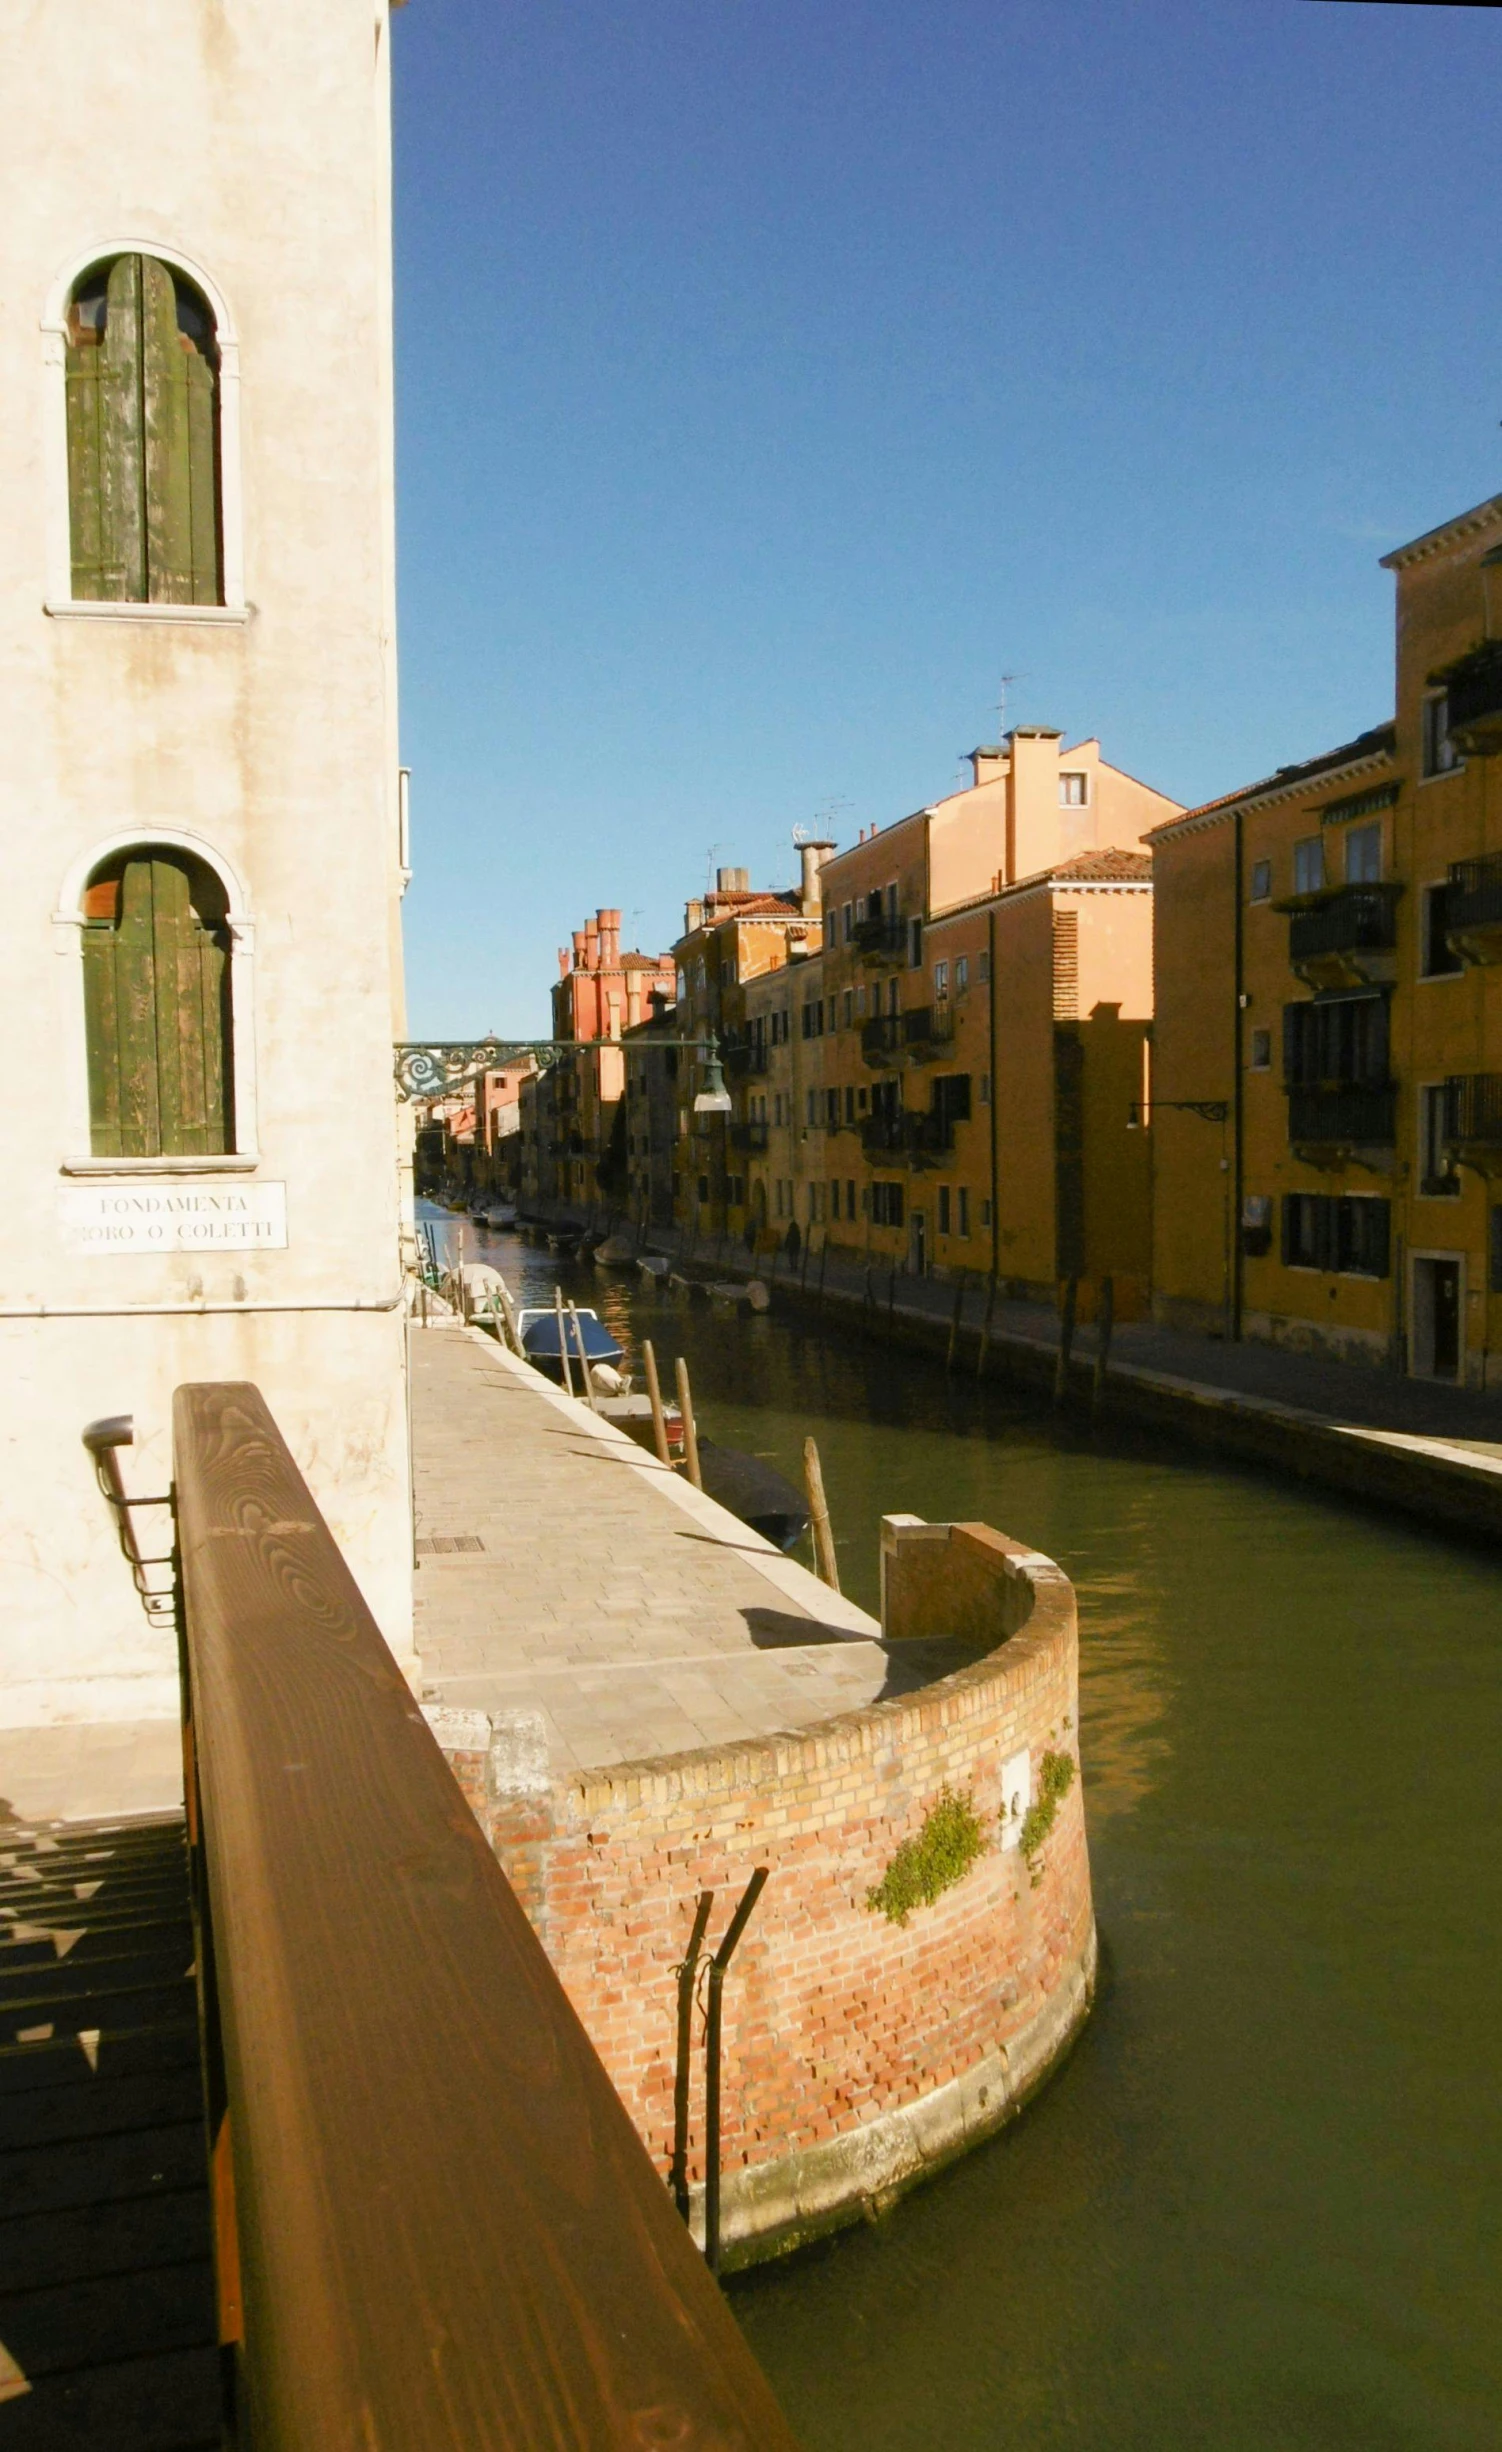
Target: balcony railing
point(1473, 1111)
point(1355, 919)
point(750, 1136)
point(880, 940)
point(1345, 1115)
point(1474, 896)
point(927, 1028)
point(742, 1056)
point(881, 1038)
point(1473, 692)
point(443, 2230)
point(916, 1135)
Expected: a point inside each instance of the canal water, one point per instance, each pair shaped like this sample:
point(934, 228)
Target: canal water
point(1261, 2208)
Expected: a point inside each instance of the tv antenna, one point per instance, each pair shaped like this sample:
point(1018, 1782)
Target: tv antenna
point(1008, 683)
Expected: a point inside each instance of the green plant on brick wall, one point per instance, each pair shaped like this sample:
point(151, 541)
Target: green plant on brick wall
point(941, 1853)
point(1055, 1779)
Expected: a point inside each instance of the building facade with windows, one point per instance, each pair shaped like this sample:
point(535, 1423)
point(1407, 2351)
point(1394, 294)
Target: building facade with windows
point(947, 1035)
point(201, 802)
point(1327, 950)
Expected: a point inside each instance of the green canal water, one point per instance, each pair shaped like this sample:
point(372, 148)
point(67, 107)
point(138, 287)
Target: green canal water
point(1260, 2206)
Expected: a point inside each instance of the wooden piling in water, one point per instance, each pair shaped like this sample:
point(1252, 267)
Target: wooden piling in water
point(568, 1377)
point(825, 1564)
point(690, 1427)
point(1066, 1340)
point(985, 1328)
point(654, 1392)
point(954, 1325)
point(584, 1370)
point(1104, 1323)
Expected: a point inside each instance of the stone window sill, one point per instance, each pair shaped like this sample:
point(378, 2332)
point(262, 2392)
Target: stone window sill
point(231, 1163)
point(210, 615)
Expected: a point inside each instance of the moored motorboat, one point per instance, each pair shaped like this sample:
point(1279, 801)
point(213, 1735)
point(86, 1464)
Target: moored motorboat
point(755, 1491)
point(538, 1329)
point(616, 1252)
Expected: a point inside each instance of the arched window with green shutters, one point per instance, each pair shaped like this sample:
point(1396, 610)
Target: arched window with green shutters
point(143, 437)
point(156, 981)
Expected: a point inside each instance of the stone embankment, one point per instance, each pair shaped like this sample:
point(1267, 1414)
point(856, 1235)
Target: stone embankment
point(1430, 1449)
point(644, 1701)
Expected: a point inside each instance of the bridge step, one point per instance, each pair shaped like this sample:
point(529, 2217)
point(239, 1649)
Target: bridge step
point(107, 2318)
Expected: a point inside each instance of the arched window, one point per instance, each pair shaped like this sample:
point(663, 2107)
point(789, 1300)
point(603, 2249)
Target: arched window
point(142, 368)
point(156, 984)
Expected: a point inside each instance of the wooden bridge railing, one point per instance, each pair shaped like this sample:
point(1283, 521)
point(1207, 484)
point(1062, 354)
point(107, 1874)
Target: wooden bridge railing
point(437, 2226)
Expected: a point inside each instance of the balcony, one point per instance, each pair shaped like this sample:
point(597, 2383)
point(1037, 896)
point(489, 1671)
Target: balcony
point(881, 1038)
point(752, 1137)
point(927, 1030)
point(1346, 937)
point(1331, 1120)
point(912, 1136)
point(1473, 908)
point(1473, 1120)
point(880, 940)
point(743, 1056)
point(1473, 690)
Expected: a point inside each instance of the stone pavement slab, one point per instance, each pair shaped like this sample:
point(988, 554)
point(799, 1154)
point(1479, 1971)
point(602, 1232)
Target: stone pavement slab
point(634, 1614)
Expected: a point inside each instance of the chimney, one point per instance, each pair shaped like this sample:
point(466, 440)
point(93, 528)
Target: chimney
point(693, 917)
point(987, 765)
point(563, 961)
point(811, 886)
point(610, 939)
point(732, 881)
point(592, 941)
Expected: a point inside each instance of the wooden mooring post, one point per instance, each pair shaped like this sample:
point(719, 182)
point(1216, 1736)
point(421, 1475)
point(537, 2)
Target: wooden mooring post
point(985, 1329)
point(1066, 1340)
point(585, 1372)
point(690, 1427)
point(654, 1393)
point(825, 1563)
point(954, 1324)
point(568, 1377)
point(1105, 1320)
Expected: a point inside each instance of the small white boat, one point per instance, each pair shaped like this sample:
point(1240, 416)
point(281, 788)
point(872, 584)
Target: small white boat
point(654, 1265)
point(616, 1252)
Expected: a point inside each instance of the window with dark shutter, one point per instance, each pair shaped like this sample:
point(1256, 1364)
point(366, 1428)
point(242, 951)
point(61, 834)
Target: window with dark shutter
point(143, 438)
point(156, 983)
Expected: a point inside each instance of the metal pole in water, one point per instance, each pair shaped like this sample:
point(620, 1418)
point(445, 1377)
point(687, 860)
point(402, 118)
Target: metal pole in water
point(687, 1973)
point(568, 1377)
point(717, 1967)
point(826, 1564)
point(659, 1418)
point(690, 1427)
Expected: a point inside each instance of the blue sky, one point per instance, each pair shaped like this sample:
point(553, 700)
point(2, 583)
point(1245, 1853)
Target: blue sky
point(774, 375)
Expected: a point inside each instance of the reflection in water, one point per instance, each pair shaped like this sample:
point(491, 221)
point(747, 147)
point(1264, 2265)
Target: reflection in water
point(1258, 2208)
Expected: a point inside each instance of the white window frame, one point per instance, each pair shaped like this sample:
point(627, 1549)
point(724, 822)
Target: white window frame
point(1429, 743)
point(1264, 1064)
point(59, 599)
point(1265, 894)
point(72, 1038)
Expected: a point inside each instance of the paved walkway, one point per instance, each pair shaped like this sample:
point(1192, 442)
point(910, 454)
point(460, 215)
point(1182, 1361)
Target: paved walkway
point(562, 1569)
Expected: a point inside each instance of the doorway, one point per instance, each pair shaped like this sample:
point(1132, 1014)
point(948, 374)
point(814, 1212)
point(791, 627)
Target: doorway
point(1438, 1294)
point(917, 1244)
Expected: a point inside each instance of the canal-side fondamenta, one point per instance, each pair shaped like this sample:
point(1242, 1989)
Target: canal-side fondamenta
point(1258, 2208)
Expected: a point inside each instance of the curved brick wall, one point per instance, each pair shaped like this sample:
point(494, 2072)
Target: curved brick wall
point(858, 2054)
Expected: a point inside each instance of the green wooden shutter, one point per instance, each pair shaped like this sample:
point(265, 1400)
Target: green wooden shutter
point(178, 402)
point(142, 451)
point(106, 466)
point(156, 1002)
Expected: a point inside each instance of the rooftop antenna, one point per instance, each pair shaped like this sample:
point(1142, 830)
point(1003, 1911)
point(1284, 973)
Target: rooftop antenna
point(1008, 681)
point(710, 857)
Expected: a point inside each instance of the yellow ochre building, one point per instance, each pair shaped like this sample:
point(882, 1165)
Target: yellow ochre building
point(1327, 1078)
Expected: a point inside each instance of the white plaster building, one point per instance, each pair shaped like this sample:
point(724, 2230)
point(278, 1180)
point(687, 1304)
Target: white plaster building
point(199, 800)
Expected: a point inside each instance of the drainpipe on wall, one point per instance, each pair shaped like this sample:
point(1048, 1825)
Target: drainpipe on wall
point(1238, 1146)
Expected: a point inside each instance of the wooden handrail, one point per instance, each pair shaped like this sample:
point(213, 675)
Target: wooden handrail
point(450, 2235)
